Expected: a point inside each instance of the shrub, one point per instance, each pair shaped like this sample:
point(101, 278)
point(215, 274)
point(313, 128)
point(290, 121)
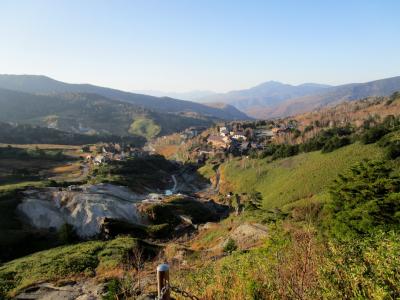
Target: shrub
point(335, 143)
point(113, 289)
point(269, 150)
point(284, 150)
point(374, 134)
point(253, 201)
point(230, 246)
point(393, 150)
point(328, 140)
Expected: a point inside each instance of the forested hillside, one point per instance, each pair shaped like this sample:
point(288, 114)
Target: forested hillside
point(90, 114)
point(30, 134)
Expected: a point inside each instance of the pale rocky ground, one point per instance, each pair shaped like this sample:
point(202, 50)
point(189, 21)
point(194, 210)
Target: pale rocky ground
point(85, 290)
point(83, 207)
point(246, 236)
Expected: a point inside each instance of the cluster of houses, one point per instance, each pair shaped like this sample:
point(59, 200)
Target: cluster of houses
point(114, 151)
point(239, 140)
point(231, 140)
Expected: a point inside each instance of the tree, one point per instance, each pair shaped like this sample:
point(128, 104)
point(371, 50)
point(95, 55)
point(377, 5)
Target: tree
point(253, 201)
point(374, 134)
point(365, 199)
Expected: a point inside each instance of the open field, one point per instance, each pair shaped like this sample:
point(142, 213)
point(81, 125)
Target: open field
point(68, 172)
point(23, 163)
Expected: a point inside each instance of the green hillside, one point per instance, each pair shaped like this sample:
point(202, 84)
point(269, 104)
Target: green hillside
point(90, 114)
point(290, 179)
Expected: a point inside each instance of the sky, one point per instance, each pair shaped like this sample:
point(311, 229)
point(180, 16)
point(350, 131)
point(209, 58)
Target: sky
point(182, 45)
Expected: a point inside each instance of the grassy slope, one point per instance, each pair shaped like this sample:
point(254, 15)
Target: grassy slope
point(287, 180)
point(82, 259)
point(145, 127)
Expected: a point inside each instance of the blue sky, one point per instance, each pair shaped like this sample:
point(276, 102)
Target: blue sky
point(186, 45)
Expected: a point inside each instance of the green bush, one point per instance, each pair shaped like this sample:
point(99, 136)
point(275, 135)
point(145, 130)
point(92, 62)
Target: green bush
point(364, 199)
point(113, 289)
point(335, 143)
point(393, 150)
point(284, 150)
point(328, 140)
point(230, 246)
point(374, 134)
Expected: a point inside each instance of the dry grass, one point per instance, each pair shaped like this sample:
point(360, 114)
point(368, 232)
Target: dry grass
point(284, 268)
point(71, 168)
point(167, 150)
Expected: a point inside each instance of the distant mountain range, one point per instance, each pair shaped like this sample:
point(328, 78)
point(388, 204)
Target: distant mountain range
point(191, 95)
point(275, 99)
point(44, 85)
point(89, 109)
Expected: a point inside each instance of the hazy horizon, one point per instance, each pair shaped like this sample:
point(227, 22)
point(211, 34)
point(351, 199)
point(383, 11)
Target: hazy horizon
point(182, 46)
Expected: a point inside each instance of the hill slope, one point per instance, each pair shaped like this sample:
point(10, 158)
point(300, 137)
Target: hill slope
point(267, 94)
point(45, 85)
point(274, 99)
point(335, 95)
point(28, 134)
point(89, 113)
point(279, 183)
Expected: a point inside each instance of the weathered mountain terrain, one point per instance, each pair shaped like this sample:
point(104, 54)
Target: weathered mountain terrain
point(274, 99)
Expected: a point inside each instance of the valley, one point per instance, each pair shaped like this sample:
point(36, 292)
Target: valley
point(203, 150)
point(233, 220)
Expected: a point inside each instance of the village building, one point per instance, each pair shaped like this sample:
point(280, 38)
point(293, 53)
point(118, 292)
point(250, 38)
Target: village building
point(224, 132)
point(238, 135)
point(99, 159)
point(218, 141)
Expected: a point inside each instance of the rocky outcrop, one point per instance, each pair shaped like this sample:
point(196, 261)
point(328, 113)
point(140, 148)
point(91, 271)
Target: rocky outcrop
point(85, 290)
point(83, 207)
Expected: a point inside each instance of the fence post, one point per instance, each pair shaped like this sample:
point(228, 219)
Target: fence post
point(162, 281)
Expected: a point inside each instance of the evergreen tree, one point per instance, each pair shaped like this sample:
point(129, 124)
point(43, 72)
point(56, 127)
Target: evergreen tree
point(365, 199)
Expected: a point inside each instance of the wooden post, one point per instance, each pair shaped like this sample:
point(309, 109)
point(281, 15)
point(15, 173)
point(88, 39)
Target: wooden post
point(163, 280)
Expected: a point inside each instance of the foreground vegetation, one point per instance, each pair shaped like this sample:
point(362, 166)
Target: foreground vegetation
point(81, 260)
